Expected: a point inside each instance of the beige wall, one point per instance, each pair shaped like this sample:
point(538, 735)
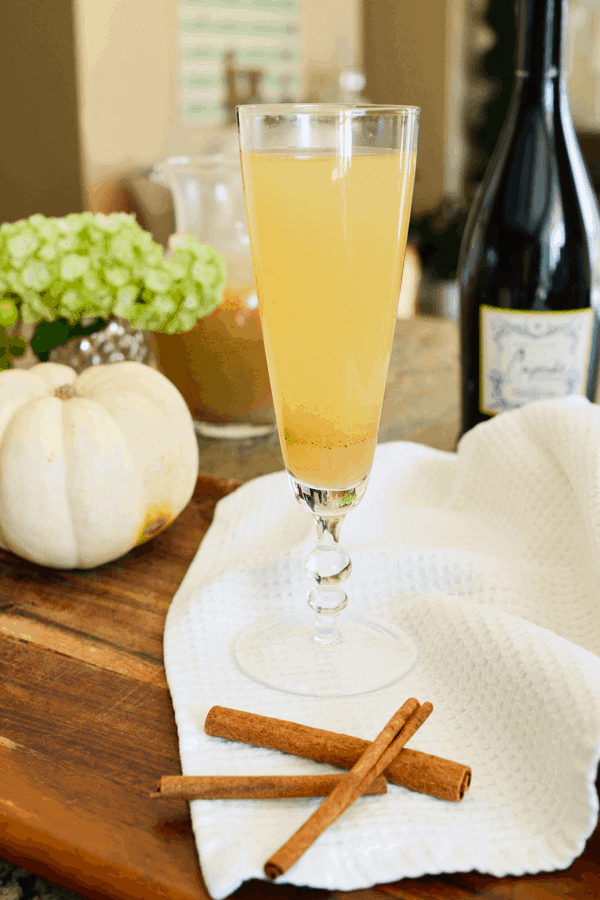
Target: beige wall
point(128, 81)
point(332, 32)
point(583, 61)
point(40, 166)
point(414, 55)
point(125, 52)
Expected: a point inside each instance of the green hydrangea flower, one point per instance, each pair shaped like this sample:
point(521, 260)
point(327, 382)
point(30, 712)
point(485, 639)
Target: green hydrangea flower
point(91, 264)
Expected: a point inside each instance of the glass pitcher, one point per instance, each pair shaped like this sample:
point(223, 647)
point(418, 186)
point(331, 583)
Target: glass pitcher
point(219, 366)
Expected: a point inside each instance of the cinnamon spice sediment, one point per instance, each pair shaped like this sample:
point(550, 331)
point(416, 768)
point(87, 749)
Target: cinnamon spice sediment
point(412, 769)
point(253, 787)
point(401, 727)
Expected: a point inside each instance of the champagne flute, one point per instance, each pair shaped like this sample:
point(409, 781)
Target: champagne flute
point(328, 191)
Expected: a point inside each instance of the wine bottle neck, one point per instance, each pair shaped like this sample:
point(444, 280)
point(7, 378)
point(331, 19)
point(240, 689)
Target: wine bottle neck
point(541, 40)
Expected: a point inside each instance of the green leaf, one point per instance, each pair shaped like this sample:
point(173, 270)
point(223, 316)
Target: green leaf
point(16, 346)
point(48, 335)
point(8, 312)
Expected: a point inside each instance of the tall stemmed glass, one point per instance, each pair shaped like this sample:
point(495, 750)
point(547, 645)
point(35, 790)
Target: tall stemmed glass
point(328, 192)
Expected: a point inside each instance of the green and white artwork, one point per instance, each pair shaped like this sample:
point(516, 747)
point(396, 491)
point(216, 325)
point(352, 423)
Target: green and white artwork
point(263, 34)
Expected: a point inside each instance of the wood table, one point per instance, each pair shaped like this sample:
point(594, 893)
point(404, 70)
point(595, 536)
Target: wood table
point(86, 722)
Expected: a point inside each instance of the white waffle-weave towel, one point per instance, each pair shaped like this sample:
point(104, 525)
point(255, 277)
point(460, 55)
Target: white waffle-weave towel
point(490, 558)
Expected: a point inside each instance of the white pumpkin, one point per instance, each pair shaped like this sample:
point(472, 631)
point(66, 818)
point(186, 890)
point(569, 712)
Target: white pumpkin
point(91, 465)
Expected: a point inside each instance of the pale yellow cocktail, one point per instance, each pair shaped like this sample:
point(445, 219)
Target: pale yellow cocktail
point(328, 191)
point(328, 239)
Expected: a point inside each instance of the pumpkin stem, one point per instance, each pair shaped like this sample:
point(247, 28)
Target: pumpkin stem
point(65, 392)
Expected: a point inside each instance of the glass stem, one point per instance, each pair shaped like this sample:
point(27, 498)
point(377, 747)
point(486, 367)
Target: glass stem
point(329, 565)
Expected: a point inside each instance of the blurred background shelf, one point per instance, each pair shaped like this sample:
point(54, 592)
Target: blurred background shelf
point(95, 96)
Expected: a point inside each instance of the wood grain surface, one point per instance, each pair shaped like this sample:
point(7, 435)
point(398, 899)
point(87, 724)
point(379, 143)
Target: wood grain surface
point(87, 729)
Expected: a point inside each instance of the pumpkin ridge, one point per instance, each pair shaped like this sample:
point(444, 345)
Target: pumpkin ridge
point(65, 456)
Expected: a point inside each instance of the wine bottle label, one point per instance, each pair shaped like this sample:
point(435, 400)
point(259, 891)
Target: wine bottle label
point(528, 356)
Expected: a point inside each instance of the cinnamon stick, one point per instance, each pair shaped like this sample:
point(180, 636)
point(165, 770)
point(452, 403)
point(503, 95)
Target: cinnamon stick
point(257, 787)
point(412, 769)
point(376, 757)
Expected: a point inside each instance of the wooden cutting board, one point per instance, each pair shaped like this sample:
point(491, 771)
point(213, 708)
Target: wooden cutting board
point(87, 729)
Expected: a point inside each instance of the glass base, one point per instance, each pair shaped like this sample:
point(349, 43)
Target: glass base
point(282, 654)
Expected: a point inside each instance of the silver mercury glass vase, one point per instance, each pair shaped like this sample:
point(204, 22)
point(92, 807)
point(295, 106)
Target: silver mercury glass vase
point(116, 342)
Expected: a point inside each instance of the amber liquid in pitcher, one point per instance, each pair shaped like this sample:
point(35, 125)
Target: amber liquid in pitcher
point(219, 366)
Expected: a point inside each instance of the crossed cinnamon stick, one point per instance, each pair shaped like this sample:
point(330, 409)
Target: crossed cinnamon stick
point(376, 757)
point(364, 777)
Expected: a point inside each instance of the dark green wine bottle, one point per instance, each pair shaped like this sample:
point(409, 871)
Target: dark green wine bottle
point(529, 265)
